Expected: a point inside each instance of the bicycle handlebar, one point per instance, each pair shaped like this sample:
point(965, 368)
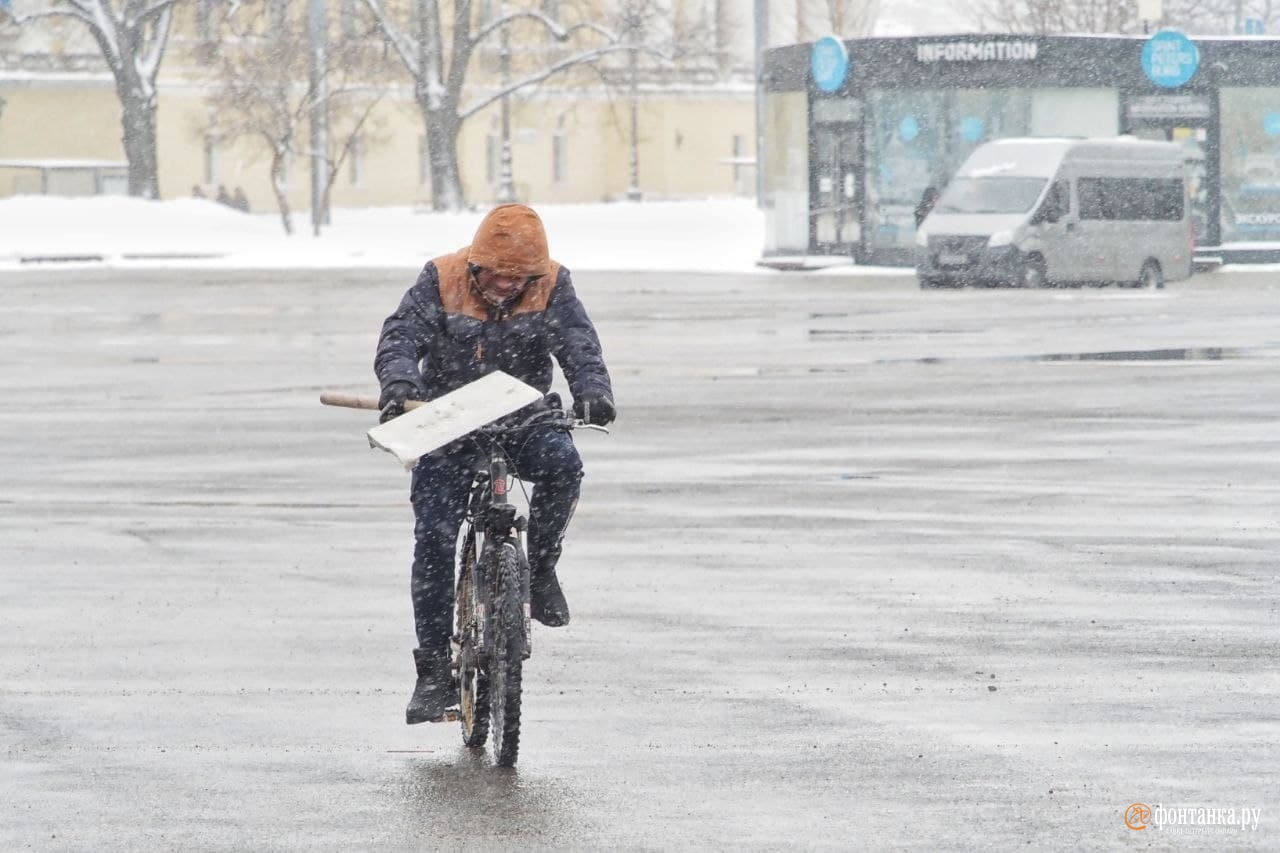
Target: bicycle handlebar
point(355, 401)
point(544, 417)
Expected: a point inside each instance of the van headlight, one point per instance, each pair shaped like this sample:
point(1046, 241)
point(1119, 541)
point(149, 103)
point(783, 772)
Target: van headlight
point(922, 237)
point(1000, 238)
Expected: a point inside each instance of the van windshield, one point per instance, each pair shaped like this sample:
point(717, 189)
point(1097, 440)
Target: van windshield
point(991, 195)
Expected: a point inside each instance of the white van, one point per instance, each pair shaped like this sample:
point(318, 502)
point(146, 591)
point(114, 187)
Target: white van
point(1028, 212)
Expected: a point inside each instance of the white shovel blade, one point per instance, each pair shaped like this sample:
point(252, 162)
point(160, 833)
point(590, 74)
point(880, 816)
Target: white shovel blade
point(435, 424)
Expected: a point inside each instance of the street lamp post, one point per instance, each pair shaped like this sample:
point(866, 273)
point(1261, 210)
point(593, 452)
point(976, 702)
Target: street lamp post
point(506, 186)
point(633, 187)
point(317, 34)
point(1150, 11)
point(761, 42)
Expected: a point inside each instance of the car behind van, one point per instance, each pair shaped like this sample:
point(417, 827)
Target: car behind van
point(1028, 212)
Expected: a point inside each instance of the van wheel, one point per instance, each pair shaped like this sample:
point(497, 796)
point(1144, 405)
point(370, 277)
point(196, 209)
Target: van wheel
point(1033, 274)
point(1151, 278)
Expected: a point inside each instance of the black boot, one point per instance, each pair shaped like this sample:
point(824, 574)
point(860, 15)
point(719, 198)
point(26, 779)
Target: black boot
point(431, 693)
point(547, 603)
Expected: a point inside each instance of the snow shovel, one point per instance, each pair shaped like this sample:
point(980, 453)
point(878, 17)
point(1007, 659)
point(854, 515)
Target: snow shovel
point(424, 427)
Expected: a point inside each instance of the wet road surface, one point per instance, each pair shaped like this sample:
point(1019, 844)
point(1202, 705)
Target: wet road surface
point(860, 566)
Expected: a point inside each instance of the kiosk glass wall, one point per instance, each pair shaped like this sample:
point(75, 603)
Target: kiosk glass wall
point(919, 138)
point(786, 177)
point(1250, 140)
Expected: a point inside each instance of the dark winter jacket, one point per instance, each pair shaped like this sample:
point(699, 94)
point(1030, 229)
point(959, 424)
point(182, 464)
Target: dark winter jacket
point(444, 334)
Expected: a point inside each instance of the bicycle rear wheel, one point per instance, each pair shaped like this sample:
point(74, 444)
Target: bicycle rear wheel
point(473, 698)
point(506, 664)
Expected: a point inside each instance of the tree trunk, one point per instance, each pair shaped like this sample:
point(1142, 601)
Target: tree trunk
point(138, 117)
point(282, 197)
point(442, 128)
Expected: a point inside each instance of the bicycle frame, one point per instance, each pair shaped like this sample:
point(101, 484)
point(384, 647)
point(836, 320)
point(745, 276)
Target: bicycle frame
point(494, 629)
point(492, 521)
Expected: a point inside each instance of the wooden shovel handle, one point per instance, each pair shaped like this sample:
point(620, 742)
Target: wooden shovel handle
point(355, 401)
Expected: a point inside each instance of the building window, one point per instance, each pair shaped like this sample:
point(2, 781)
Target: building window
point(355, 162)
point(560, 154)
point(279, 11)
point(212, 163)
point(204, 21)
point(347, 18)
point(492, 158)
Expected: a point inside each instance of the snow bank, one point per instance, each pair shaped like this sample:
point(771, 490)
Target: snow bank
point(717, 235)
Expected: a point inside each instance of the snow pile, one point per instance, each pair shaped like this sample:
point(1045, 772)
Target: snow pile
point(716, 235)
point(114, 227)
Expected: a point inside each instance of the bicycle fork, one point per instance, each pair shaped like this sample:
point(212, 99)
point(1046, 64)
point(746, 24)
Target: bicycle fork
point(503, 525)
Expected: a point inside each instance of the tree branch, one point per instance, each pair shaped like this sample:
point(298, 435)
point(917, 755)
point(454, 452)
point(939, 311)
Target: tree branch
point(147, 62)
point(397, 38)
point(581, 59)
point(77, 13)
point(155, 8)
point(561, 34)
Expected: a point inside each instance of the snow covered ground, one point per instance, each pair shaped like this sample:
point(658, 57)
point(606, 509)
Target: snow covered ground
point(716, 235)
point(723, 235)
point(860, 567)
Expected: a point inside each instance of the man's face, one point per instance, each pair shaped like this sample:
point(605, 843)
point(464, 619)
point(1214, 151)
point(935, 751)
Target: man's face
point(500, 289)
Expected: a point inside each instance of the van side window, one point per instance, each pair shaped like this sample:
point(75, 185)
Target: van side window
point(1060, 196)
point(1156, 198)
point(1089, 191)
point(1131, 199)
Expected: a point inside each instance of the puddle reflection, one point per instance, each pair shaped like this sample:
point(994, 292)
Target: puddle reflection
point(1196, 354)
point(468, 797)
point(1178, 354)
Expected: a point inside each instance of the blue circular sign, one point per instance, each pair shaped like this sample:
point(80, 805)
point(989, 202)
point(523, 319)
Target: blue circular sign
point(829, 62)
point(971, 128)
point(1170, 59)
point(909, 129)
point(1271, 124)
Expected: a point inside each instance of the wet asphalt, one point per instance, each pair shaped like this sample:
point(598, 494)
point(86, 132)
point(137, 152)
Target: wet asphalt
point(860, 567)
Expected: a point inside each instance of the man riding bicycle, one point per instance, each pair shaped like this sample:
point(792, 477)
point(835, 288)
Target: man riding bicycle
point(499, 304)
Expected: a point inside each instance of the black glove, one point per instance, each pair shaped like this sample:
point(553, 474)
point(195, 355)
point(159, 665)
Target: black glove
point(392, 400)
point(595, 409)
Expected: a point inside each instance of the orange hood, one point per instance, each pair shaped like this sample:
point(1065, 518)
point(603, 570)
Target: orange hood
point(511, 241)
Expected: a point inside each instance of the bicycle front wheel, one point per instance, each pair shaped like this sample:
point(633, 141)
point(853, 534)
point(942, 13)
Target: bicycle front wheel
point(506, 663)
point(473, 704)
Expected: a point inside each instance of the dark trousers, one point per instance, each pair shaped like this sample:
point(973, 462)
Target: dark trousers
point(544, 457)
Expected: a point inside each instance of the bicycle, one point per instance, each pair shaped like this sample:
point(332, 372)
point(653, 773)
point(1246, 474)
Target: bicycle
point(492, 602)
point(492, 618)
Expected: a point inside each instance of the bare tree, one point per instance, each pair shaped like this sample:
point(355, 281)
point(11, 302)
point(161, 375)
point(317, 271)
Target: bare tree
point(663, 44)
point(9, 37)
point(1121, 16)
point(844, 18)
point(1222, 16)
point(1061, 16)
point(636, 21)
point(132, 35)
point(263, 91)
point(437, 52)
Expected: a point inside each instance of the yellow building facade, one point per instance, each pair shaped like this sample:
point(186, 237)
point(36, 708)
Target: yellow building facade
point(569, 142)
